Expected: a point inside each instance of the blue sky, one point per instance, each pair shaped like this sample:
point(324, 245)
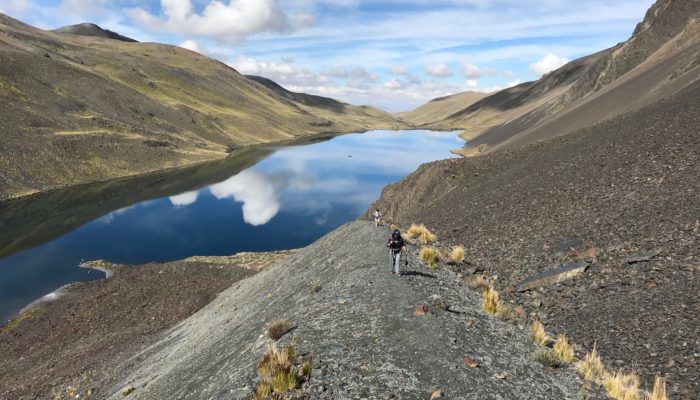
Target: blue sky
point(390, 53)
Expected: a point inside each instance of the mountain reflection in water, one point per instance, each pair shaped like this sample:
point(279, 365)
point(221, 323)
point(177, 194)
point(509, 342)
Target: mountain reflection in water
point(286, 200)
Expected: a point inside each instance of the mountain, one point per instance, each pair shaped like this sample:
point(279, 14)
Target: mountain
point(659, 60)
point(441, 107)
point(83, 107)
point(87, 29)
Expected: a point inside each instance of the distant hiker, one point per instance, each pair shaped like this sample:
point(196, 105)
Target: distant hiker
point(377, 216)
point(395, 245)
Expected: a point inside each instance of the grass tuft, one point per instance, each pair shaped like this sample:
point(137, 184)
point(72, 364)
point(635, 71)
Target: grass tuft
point(659, 391)
point(563, 349)
point(621, 386)
point(591, 367)
point(278, 329)
point(491, 300)
point(430, 256)
point(421, 232)
point(457, 254)
point(547, 357)
point(306, 368)
point(279, 374)
point(539, 336)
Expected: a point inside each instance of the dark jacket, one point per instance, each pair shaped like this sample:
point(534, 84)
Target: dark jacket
point(396, 244)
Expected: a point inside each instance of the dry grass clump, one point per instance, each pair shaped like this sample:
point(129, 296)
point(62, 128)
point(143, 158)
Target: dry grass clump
point(491, 300)
point(563, 350)
point(539, 336)
point(278, 329)
point(591, 367)
point(659, 391)
point(430, 256)
point(621, 386)
point(421, 232)
point(547, 357)
point(477, 282)
point(457, 254)
point(279, 374)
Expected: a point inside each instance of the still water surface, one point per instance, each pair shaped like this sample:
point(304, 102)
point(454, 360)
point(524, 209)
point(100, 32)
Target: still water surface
point(286, 200)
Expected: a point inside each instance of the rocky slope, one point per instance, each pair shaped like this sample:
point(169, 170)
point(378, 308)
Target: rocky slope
point(357, 322)
point(659, 60)
point(80, 107)
point(603, 194)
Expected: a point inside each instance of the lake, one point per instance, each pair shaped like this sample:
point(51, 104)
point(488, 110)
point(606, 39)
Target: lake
point(260, 199)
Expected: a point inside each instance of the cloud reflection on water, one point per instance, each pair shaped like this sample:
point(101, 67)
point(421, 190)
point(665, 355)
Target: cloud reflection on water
point(258, 191)
point(184, 199)
point(311, 181)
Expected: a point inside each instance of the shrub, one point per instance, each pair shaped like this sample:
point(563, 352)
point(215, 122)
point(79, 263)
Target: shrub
point(429, 255)
point(547, 357)
point(457, 254)
point(278, 329)
point(563, 350)
point(591, 367)
point(539, 336)
point(659, 391)
point(621, 386)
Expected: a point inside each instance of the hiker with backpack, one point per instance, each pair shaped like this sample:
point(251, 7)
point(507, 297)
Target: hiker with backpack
point(377, 216)
point(396, 245)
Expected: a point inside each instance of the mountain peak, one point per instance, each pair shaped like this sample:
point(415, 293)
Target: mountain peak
point(90, 29)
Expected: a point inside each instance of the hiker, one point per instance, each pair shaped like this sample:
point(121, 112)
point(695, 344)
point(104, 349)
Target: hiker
point(377, 215)
point(396, 245)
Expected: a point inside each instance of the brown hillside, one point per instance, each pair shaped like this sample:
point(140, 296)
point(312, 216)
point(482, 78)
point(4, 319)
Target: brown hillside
point(659, 60)
point(441, 107)
point(76, 109)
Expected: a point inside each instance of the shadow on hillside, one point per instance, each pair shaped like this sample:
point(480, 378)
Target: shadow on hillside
point(417, 273)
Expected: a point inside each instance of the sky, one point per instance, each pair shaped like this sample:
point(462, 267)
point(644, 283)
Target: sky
point(392, 54)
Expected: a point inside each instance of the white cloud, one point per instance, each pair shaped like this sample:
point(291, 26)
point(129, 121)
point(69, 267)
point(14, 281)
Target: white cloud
point(398, 70)
point(234, 21)
point(472, 84)
point(191, 45)
point(184, 199)
point(259, 192)
point(395, 83)
point(439, 70)
point(548, 63)
point(282, 73)
point(472, 71)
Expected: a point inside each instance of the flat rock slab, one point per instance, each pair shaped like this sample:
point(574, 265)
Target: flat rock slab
point(566, 271)
point(641, 257)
